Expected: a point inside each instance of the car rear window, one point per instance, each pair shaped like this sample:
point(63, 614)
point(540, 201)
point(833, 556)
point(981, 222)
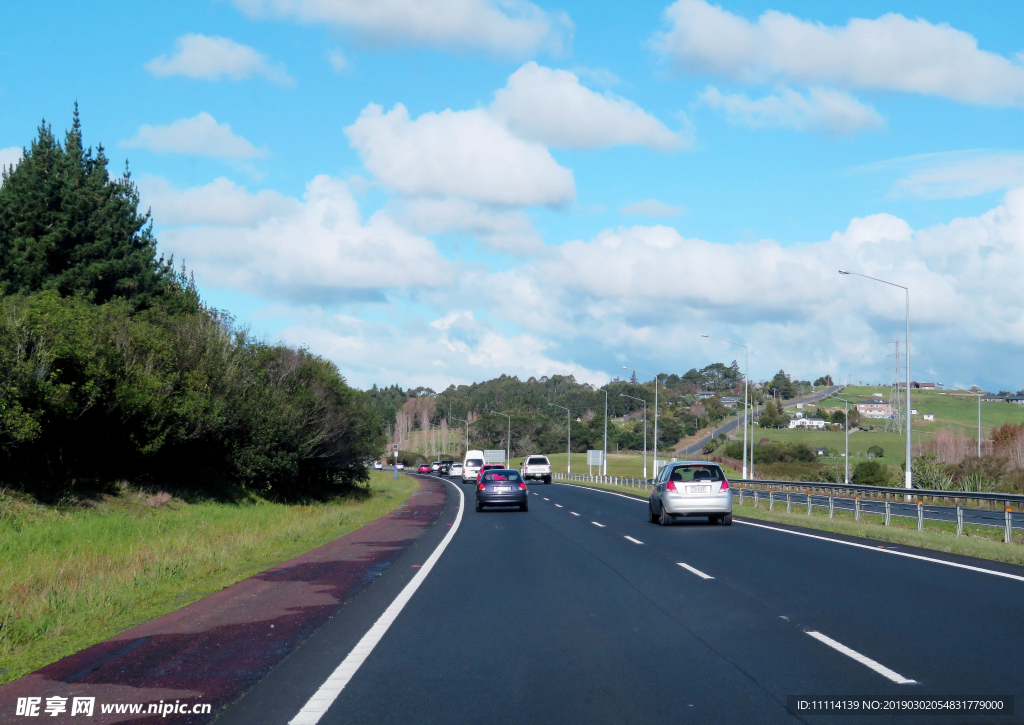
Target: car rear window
point(474, 461)
point(696, 473)
point(502, 476)
point(537, 461)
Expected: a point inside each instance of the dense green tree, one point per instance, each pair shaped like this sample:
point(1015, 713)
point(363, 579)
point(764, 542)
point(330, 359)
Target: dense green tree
point(782, 386)
point(66, 225)
point(871, 473)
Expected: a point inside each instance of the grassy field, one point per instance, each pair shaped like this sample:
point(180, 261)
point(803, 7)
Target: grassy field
point(73, 577)
point(984, 542)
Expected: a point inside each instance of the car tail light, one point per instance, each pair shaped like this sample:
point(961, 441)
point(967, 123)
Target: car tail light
point(725, 486)
point(480, 487)
point(522, 485)
point(670, 486)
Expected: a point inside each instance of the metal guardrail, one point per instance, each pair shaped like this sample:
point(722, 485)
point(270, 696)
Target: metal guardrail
point(875, 500)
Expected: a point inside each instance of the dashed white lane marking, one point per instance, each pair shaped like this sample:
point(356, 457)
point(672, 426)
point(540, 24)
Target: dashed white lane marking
point(597, 524)
point(879, 668)
point(888, 551)
point(558, 505)
point(324, 697)
point(698, 572)
point(546, 498)
point(635, 541)
point(574, 513)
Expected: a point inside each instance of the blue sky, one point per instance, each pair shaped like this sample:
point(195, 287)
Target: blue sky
point(441, 191)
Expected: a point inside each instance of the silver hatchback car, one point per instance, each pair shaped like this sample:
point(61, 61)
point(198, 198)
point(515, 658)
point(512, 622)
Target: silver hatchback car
point(691, 488)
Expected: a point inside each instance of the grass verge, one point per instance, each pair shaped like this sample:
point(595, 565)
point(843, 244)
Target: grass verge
point(73, 577)
point(983, 542)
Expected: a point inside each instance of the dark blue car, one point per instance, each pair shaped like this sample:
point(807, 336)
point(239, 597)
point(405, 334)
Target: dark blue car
point(501, 487)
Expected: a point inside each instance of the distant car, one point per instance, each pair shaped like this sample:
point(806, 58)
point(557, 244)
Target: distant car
point(424, 468)
point(400, 466)
point(435, 466)
point(446, 467)
point(690, 488)
point(537, 468)
point(501, 487)
point(455, 471)
point(471, 465)
point(488, 467)
point(377, 465)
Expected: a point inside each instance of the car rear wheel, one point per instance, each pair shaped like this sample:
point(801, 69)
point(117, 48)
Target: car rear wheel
point(547, 480)
point(665, 519)
point(650, 514)
point(727, 519)
point(524, 507)
point(479, 507)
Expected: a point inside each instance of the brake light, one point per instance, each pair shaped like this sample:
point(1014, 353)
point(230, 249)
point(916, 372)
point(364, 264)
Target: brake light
point(522, 485)
point(725, 486)
point(670, 486)
point(480, 487)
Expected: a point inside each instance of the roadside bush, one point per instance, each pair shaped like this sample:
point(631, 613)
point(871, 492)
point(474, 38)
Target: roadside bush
point(870, 473)
point(875, 452)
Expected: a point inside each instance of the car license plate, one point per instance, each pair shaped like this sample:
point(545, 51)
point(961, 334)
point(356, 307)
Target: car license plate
point(502, 489)
point(698, 489)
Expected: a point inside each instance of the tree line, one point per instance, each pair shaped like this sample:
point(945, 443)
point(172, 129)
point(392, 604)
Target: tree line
point(112, 368)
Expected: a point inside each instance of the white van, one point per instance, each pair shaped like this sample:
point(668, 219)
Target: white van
point(471, 465)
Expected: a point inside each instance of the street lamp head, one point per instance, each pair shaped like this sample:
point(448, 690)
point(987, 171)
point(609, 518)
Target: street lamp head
point(843, 271)
point(703, 335)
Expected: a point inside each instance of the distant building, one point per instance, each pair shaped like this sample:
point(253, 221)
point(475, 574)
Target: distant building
point(816, 423)
point(821, 451)
point(1015, 399)
point(730, 401)
point(705, 395)
point(874, 408)
point(929, 416)
point(916, 385)
point(991, 398)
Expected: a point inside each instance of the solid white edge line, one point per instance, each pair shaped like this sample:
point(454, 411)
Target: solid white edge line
point(324, 697)
point(558, 505)
point(867, 661)
point(698, 572)
point(597, 524)
point(979, 569)
point(993, 572)
point(635, 541)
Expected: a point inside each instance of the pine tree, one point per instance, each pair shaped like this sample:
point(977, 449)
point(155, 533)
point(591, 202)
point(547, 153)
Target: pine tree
point(633, 378)
point(66, 225)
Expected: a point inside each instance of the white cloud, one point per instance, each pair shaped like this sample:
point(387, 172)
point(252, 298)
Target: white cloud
point(963, 177)
point(219, 203)
point(213, 57)
point(552, 107)
point(200, 135)
point(890, 53)
point(317, 250)
point(9, 157)
point(501, 230)
point(823, 110)
point(513, 28)
point(458, 153)
point(653, 207)
point(336, 57)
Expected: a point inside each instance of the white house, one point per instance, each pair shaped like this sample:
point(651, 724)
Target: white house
point(874, 408)
point(816, 423)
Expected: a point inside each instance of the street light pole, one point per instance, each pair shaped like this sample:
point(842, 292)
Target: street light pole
point(847, 455)
point(508, 441)
point(655, 412)
point(623, 395)
point(568, 433)
point(604, 456)
point(746, 397)
point(910, 460)
point(467, 431)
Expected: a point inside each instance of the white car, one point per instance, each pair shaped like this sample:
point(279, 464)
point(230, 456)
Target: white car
point(434, 467)
point(377, 465)
point(536, 468)
point(455, 470)
point(400, 466)
point(471, 465)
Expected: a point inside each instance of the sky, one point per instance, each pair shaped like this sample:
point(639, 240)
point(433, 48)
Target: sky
point(436, 192)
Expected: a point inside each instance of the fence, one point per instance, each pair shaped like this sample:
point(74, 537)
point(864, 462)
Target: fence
point(890, 503)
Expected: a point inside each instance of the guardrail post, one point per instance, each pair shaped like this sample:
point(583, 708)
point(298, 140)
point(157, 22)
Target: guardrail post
point(756, 498)
point(809, 504)
point(1009, 526)
point(856, 513)
point(789, 502)
point(920, 515)
point(959, 519)
point(888, 513)
point(771, 499)
point(831, 506)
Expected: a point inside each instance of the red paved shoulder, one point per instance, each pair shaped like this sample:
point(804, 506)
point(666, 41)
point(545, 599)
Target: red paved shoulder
point(214, 649)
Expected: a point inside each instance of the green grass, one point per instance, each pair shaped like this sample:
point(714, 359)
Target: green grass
point(619, 464)
point(73, 577)
point(983, 542)
point(894, 444)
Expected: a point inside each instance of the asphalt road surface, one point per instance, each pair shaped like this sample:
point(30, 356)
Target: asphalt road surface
point(580, 611)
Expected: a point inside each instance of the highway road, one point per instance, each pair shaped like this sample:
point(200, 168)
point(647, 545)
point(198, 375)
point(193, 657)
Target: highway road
point(580, 611)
